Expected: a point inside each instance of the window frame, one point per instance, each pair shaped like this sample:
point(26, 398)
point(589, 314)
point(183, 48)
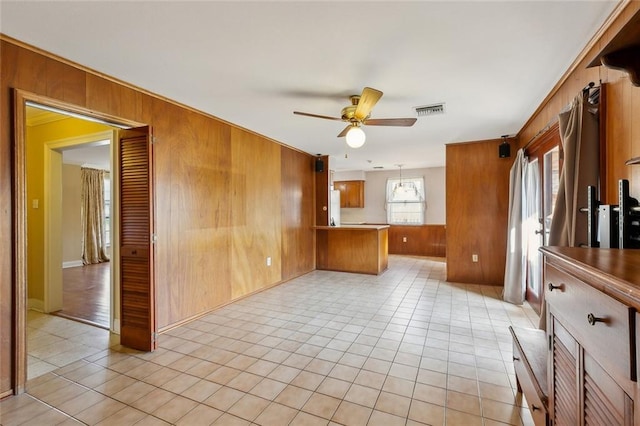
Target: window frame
point(390, 203)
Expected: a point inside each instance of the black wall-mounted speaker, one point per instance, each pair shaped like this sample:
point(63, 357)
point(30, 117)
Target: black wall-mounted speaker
point(319, 165)
point(504, 150)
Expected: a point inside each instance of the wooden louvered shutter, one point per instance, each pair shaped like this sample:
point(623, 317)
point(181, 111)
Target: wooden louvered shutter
point(565, 378)
point(605, 403)
point(138, 321)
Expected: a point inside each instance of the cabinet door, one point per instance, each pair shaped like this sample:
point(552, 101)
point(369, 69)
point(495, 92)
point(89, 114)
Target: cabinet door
point(356, 194)
point(583, 393)
point(564, 406)
point(351, 193)
point(342, 187)
point(605, 403)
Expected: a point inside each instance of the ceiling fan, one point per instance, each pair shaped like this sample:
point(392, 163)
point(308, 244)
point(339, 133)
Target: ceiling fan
point(358, 114)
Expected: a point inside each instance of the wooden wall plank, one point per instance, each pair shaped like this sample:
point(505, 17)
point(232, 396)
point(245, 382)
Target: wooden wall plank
point(112, 98)
point(477, 212)
point(297, 209)
point(256, 219)
point(425, 240)
point(199, 207)
point(66, 83)
point(618, 133)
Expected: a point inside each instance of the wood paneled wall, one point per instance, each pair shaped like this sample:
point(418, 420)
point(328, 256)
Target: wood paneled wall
point(255, 204)
point(477, 200)
point(226, 198)
point(622, 108)
point(425, 240)
point(477, 215)
point(298, 244)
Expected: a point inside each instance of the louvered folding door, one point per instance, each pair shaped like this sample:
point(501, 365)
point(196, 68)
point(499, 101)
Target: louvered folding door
point(138, 323)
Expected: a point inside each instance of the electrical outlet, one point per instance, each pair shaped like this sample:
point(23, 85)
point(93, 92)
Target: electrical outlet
point(269, 261)
point(474, 258)
point(404, 239)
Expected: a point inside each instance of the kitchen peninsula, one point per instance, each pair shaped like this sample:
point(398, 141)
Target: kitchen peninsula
point(353, 248)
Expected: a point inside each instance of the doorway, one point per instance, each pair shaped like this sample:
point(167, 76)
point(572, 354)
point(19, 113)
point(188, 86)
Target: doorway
point(60, 149)
point(87, 286)
point(23, 205)
point(541, 181)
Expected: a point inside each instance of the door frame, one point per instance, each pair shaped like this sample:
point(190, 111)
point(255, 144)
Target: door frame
point(21, 99)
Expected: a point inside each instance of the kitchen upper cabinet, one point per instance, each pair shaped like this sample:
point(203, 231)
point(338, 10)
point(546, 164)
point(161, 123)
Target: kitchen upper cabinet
point(351, 193)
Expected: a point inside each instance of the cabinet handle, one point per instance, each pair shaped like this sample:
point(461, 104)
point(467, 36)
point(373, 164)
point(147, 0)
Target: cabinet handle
point(555, 287)
point(534, 408)
point(515, 358)
point(594, 319)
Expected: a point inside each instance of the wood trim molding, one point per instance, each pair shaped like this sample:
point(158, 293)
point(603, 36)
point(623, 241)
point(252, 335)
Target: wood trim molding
point(544, 139)
point(20, 248)
point(73, 109)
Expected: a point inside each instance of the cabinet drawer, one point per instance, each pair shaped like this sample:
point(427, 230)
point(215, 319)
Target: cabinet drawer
point(602, 325)
point(537, 408)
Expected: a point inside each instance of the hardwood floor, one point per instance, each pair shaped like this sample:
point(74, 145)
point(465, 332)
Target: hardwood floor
point(86, 294)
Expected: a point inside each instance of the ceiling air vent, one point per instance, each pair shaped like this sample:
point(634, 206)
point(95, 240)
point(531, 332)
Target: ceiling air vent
point(434, 109)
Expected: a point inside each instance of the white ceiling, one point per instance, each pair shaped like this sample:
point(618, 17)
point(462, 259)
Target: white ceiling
point(97, 156)
point(254, 63)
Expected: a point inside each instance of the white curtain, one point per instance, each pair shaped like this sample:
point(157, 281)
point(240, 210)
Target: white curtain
point(580, 142)
point(515, 272)
point(93, 241)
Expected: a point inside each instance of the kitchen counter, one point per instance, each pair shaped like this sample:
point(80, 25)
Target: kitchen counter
point(353, 226)
point(353, 248)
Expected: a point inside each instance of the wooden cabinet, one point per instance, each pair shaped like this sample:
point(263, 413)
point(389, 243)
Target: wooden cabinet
point(362, 249)
point(592, 296)
point(351, 193)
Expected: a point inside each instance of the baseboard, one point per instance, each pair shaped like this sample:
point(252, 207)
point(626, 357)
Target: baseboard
point(35, 305)
point(72, 264)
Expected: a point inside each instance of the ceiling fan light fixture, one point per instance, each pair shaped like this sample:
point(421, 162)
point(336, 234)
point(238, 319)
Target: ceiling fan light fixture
point(355, 137)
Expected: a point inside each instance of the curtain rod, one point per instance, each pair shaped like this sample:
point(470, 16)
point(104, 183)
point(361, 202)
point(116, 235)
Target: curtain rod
point(554, 120)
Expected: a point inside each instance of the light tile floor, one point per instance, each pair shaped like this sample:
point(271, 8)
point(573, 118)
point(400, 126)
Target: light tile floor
point(403, 348)
point(53, 342)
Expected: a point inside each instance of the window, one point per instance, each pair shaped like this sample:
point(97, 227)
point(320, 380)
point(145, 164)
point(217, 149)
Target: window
point(405, 201)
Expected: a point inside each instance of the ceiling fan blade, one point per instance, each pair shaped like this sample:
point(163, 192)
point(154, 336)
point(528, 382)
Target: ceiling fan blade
point(403, 122)
point(367, 101)
point(344, 132)
point(317, 116)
